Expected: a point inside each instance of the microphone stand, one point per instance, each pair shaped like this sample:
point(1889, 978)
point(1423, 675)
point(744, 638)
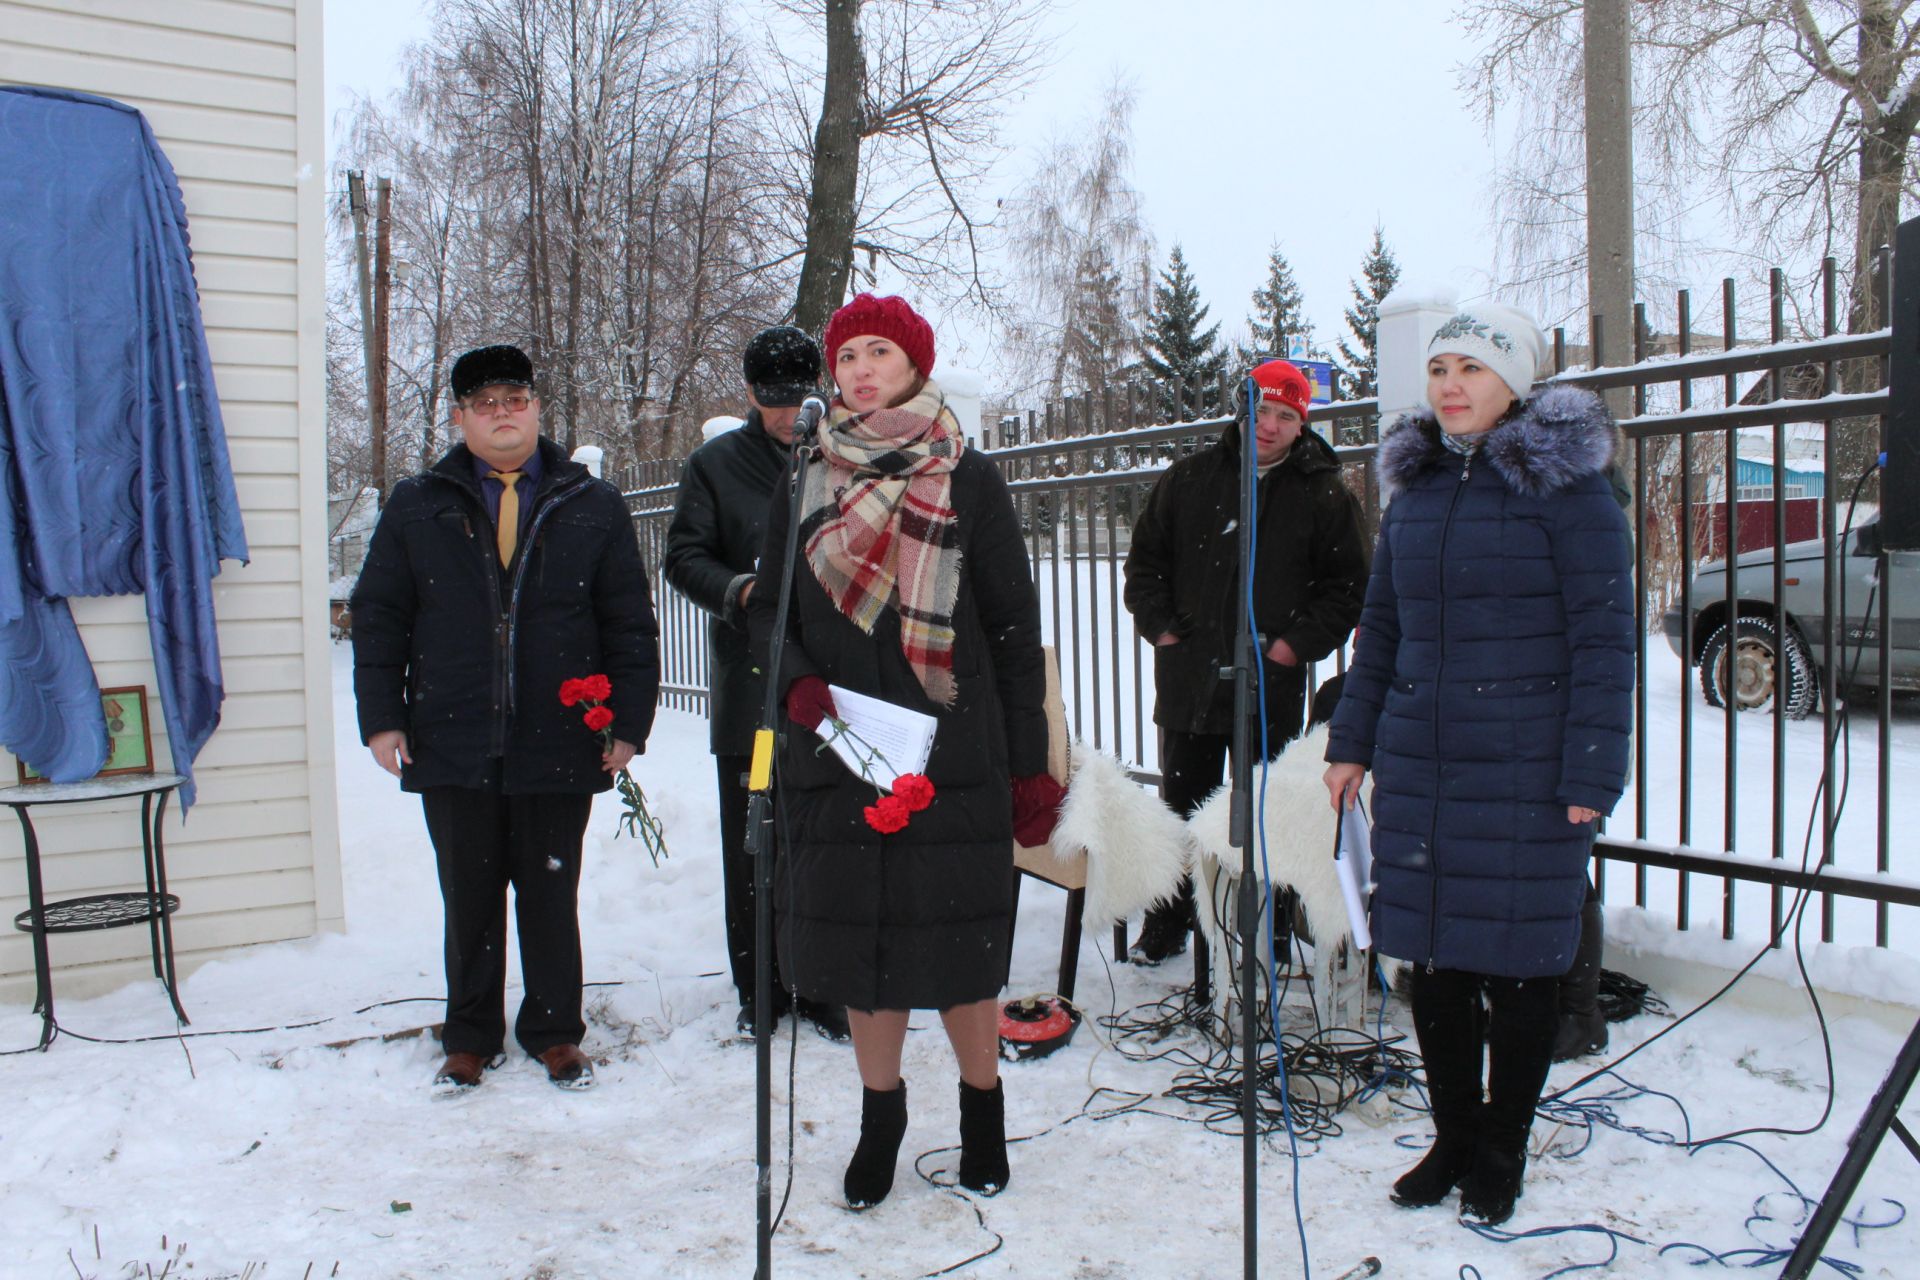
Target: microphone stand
point(1240, 835)
point(760, 846)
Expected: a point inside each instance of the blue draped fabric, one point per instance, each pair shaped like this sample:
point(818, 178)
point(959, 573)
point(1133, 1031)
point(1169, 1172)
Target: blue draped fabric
point(112, 453)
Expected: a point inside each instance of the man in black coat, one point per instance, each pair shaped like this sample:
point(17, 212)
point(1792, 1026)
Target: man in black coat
point(1184, 591)
point(492, 577)
point(713, 549)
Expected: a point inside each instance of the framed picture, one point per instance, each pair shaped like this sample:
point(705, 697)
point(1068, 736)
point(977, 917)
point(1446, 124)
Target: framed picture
point(129, 734)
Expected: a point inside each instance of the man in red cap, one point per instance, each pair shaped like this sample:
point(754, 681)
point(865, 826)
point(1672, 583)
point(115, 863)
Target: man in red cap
point(1184, 591)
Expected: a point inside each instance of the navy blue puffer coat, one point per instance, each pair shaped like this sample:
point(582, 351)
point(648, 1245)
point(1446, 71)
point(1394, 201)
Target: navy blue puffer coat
point(1492, 685)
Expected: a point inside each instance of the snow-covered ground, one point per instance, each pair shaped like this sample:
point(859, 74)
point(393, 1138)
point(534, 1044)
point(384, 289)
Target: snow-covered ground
point(273, 1154)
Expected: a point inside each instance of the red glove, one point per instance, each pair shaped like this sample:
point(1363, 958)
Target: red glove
point(809, 701)
point(1036, 808)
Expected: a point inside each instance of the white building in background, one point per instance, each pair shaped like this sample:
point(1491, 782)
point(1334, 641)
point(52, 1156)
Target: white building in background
point(232, 89)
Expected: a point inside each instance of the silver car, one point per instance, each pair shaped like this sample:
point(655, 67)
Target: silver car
point(1757, 652)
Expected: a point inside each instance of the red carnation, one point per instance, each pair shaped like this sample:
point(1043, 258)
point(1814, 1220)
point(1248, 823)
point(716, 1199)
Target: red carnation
point(598, 718)
point(916, 789)
point(887, 815)
point(570, 692)
point(596, 687)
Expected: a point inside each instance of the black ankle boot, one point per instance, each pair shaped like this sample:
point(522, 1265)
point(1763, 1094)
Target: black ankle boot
point(983, 1139)
point(1491, 1187)
point(883, 1122)
point(1445, 1165)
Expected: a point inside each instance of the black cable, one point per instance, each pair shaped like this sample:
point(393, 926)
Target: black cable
point(1796, 914)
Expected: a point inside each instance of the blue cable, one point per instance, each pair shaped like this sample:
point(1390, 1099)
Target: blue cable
point(1596, 1110)
point(1249, 446)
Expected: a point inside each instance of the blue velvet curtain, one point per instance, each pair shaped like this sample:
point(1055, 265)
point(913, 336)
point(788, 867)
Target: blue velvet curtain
point(112, 454)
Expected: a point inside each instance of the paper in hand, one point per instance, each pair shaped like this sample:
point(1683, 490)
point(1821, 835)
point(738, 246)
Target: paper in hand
point(1354, 863)
point(900, 736)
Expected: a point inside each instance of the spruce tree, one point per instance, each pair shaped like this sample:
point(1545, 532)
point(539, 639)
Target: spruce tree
point(1381, 272)
point(1279, 311)
point(1176, 348)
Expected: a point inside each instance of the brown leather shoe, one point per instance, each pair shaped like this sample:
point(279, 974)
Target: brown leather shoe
point(460, 1071)
point(567, 1067)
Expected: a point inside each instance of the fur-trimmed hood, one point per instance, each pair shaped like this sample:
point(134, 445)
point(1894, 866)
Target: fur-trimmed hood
point(1558, 435)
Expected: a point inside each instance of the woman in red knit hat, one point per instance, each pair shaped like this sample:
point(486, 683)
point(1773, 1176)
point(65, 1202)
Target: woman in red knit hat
point(913, 586)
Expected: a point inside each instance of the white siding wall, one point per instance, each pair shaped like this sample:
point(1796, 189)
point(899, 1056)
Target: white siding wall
point(232, 88)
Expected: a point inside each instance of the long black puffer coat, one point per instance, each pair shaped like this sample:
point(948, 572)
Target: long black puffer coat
point(920, 919)
point(1183, 576)
point(471, 671)
point(713, 545)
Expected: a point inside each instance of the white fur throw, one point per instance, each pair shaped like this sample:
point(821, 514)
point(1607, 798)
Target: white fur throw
point(1135, 847)
point(1300, 825)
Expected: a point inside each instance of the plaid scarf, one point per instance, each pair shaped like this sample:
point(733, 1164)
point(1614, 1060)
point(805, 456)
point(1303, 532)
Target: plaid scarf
point(879, 526)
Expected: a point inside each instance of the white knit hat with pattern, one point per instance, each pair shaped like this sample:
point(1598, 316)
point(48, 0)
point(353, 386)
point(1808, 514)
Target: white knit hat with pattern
point(1505, 339)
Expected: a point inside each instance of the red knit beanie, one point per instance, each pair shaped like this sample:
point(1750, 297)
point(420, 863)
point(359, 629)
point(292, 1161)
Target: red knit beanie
point(1281, 381)
point(890, 318)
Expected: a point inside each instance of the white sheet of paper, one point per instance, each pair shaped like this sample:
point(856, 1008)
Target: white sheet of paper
point(902, 736)
point(1354, 864)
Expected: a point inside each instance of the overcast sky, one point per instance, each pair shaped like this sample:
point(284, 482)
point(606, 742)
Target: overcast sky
point(1258, 121)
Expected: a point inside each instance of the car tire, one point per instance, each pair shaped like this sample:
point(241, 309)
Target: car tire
point(1764, 665)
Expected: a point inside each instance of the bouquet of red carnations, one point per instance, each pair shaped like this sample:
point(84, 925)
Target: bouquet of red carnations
point(637, 820)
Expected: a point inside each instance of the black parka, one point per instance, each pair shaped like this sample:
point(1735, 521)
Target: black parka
point(468, 658)
point(1183, 573)
point(920, 919)
point(713, 545)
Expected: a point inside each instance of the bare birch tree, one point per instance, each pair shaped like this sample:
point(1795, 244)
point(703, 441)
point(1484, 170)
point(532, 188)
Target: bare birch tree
point(911, 97)
point(1083, 258)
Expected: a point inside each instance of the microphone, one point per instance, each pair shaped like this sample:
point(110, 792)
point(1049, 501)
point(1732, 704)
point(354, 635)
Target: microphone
point(812, 409)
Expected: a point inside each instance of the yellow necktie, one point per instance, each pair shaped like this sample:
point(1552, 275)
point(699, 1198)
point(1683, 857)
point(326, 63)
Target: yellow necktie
point(506, 529)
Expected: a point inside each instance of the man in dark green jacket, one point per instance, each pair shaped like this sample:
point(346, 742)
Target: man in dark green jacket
point(1183, 589)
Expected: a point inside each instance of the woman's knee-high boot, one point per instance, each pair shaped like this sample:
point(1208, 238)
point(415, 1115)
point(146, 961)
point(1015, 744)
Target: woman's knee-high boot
point(983, 1139)
point(883, 1123)
point(1448, 1023)
point(1519, 1053)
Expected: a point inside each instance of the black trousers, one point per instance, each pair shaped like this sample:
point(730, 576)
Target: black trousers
point(483, 842)
point(736, 871)
point(1192, 767)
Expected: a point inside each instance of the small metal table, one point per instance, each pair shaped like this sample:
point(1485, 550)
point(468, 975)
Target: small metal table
point(101, 910)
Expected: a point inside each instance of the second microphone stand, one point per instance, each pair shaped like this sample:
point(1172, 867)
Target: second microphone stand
point(760, 846)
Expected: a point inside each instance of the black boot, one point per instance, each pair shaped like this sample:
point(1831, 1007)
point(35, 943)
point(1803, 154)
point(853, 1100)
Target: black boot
point(1583, 1028)
point(1164, 930)
point(883, 1122)
point(1448, 1022)
point(1491, 1188)
point(1519, 1053)
point(830, 1020)
point(983, 1139)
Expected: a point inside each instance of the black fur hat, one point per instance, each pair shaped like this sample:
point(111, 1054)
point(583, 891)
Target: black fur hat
point(782, 365)
point(500, 366)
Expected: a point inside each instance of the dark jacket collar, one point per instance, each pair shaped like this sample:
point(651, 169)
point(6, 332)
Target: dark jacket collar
point(1310, 453)
point(1557, 436)
point(457, 465)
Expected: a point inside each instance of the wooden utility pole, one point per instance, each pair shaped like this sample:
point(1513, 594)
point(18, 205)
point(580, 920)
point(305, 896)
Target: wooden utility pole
point(357, 207)
point(1609, 84)
point(382, 306)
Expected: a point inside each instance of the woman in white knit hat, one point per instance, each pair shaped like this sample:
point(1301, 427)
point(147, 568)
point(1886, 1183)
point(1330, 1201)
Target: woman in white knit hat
point(1491, 696)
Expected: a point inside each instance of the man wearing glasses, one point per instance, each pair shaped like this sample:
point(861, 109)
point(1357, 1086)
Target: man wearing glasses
point(492, 577)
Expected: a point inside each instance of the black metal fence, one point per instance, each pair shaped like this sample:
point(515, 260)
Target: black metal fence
point(1728, 810)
